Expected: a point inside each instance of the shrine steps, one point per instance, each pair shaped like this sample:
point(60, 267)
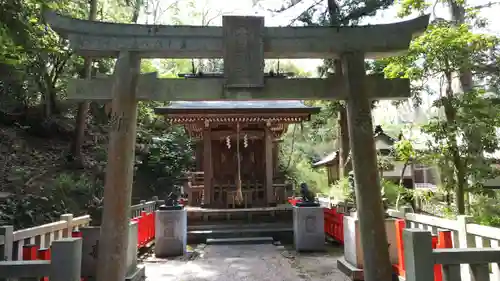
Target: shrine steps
point(240, 224)
point(246, 232)
point(240, 240)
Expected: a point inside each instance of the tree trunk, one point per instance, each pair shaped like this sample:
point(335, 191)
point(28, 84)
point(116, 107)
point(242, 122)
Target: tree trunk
point(465, 84)
point(344, 147)
point(450, 113)
point(343, 133)
point(83, 107)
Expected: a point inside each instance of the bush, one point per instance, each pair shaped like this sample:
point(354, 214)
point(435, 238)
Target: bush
point(67, 193)
point(486, 210)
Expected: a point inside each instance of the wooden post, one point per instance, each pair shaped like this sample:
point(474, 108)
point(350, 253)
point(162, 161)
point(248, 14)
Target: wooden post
point(374, 243)
point(207, 167)
point(69, 224)
point(465, 241)
point(268, 143)
point(119, 170)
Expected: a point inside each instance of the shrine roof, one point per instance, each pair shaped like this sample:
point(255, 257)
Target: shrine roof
point(261, 106)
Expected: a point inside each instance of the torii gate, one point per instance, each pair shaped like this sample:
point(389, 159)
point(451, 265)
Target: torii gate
point(243, 43)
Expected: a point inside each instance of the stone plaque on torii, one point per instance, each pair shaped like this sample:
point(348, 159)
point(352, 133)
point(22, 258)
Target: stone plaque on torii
point(243, 43)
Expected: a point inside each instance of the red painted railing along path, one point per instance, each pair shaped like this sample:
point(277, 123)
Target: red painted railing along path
point(334, 224)
point(145, 228)
point(33, 252)
point(145, 234)
point(442, 240)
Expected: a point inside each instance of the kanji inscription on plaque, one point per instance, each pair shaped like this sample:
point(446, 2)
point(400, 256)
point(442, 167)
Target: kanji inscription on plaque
point(310, 224)
point(243, 51)
point(95, 250)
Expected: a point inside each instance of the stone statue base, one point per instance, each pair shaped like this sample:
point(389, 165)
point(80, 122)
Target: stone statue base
point(308, 228)
point(307, 204)
point(170, 208)
point(170, 233)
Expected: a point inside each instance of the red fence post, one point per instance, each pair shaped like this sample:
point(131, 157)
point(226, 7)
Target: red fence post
point(29, 252)
point(140, 226)
point(400, 267)
point(438, 274)
point(334, 224)
point(44, 254)
point(154, 225)
point(444, 240)
point(148, 228)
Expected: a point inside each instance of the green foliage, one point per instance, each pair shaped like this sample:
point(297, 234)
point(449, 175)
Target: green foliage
point(300, 170)
point(35, 64)
point(65, 194)
point(390, 191)
point(485, 211)
point(164, 153)
point(408, 6)
point(404, 150)
point(471, 115)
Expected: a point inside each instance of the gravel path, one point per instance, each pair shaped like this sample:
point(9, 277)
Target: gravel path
point(246, 262)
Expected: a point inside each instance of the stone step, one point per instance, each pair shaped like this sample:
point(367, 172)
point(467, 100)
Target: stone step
point(239, 225)
point(278, 233)
point(239, 231)
point(240, 240)
point(239, 219)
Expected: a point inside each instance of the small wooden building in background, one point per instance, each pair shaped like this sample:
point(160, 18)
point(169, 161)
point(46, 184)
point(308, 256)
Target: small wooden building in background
point(216, 127)
point(415, 175)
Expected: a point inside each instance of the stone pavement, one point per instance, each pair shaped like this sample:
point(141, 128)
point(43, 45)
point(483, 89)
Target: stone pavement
point(246, 262)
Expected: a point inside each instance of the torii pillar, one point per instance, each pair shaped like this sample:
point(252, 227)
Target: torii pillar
point(243, 42)
point(113, 241)
point(375, 247)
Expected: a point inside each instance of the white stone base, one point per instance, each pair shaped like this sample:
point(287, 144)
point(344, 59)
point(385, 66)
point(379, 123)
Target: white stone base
point(353, 252)
point(308, 228)
point(170, 233)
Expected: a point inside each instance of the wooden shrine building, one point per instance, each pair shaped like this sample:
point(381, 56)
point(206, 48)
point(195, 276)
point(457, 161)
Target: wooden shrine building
point(224, 128)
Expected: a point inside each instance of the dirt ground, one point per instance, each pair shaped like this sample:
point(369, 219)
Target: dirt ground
point(264, 262)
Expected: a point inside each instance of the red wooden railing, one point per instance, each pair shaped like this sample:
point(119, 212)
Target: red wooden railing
point(442, 240)
point(32, 252)
point(334, 224)
point(145, 228)
point(145, 235)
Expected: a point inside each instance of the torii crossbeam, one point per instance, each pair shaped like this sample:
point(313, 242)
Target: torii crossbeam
point(243, 43)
